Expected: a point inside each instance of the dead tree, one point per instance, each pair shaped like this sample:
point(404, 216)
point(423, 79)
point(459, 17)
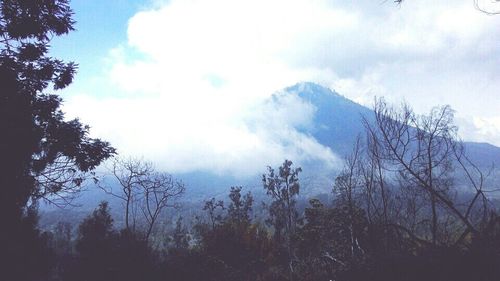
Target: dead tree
point(158, 191)
point(374, 179)
point(129, 173)
point(425, 154)
point(143, 188)
point(347, 188)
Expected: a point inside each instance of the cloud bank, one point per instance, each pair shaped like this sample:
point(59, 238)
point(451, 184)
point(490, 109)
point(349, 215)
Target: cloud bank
point(189, 87)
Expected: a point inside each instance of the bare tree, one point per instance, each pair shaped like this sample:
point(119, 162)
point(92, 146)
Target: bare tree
point(129, 173)
point(376, 188)
point(158, 191)
point(143, 188)
point(347, 188)
point(425, 154)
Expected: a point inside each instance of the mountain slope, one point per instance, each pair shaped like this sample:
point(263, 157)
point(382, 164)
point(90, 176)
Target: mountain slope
point(338, 121)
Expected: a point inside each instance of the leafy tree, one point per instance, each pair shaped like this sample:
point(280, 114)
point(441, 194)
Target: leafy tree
point(43, 155)
point(95, 246)
point(240, 208)
point(133, 258)
point(27, 255)
point(105, 254)
point(283, 188)
point(214, 215)
point(325, 246)
point(243, 248)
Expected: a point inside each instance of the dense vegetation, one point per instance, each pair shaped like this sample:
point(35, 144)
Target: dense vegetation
point(362, 235)
point(408, 205)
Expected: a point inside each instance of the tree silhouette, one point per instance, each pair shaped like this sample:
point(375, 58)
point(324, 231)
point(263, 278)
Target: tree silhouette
point(42, 154)
point(95, 245)
point(234, 241)
point(427, 156)
point(214, 209)
point(325, 242)
point(142, 188)
point(240, 208)
point(105, 254)
point(283, 188)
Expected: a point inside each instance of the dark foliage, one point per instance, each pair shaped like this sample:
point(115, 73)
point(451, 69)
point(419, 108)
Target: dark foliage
point(42, 155)
point(242, 248)
point(102, 253)
point(335, 242)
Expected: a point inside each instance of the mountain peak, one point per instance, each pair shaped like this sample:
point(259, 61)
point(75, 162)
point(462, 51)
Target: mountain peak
point(310, 88)
point(322, 96)
point(337, 120)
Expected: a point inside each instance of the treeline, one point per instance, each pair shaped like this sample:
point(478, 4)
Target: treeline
point(362, 235)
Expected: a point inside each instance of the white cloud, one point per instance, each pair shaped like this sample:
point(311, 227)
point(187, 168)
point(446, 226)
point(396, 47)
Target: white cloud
point(481, 128)
point(200, 135)
point(190, 82)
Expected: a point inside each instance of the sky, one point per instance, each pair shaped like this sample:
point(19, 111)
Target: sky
point(184, 83)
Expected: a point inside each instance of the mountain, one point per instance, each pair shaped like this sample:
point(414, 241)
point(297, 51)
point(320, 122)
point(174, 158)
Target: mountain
point(338, 121)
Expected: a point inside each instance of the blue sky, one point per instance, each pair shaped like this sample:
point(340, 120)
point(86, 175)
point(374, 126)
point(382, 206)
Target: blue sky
point(100, 27)
point(182, 82)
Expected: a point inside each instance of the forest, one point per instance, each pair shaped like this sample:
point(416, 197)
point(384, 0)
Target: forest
point(408, 204)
